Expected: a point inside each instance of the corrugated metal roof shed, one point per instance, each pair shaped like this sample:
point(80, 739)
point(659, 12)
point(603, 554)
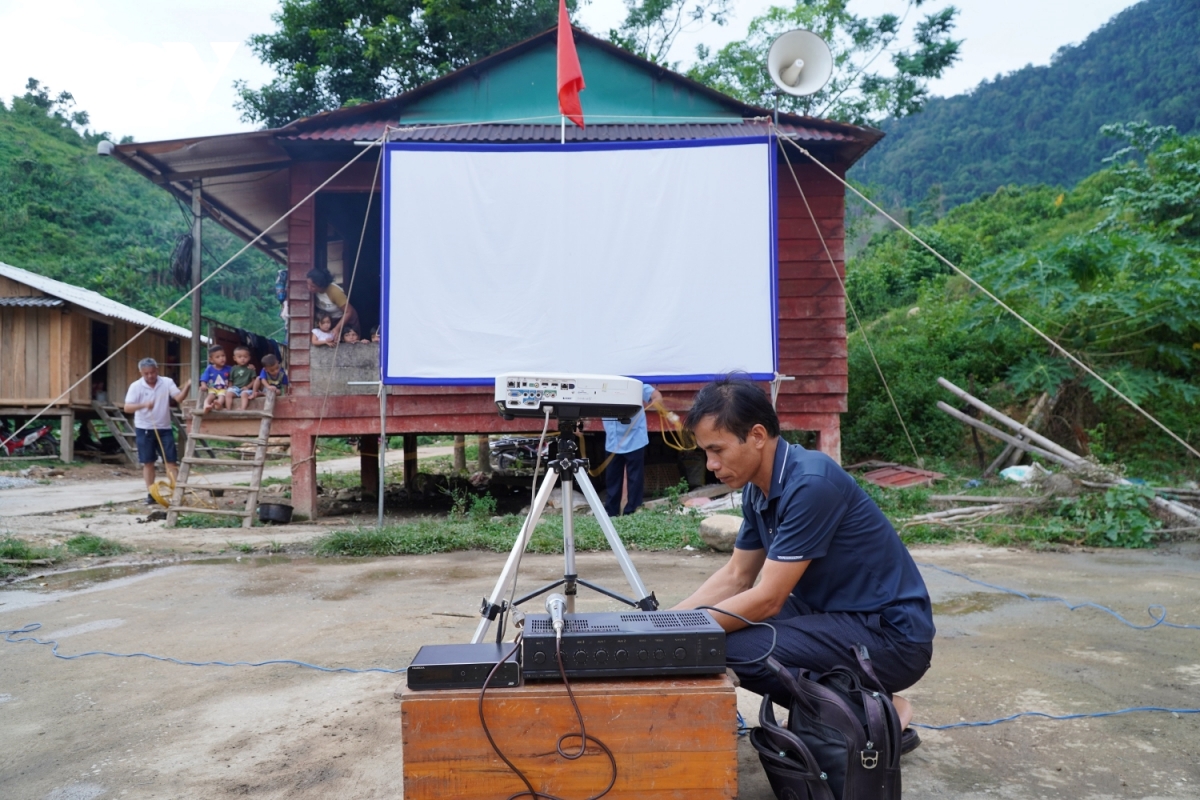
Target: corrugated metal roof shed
point(30, 302)
point(86, 298)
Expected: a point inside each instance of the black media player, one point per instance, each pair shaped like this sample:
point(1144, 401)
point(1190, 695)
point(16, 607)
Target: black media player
point(463, 666)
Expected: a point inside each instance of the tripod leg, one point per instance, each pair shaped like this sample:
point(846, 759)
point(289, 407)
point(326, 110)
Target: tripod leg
point(487, 613)
point(646, 600)
point(569, 571)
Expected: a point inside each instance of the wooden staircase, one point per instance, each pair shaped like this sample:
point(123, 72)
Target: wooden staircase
point(184, 488)
point(120, 428)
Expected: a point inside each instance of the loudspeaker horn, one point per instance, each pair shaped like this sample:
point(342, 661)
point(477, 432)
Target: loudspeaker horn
point(800, 62)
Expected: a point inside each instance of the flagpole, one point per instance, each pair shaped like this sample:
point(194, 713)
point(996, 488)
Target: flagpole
point(564, 129)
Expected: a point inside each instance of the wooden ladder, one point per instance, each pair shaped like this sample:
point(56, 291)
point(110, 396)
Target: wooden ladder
point(181, 425)
point(260, 442)
point(119, 426)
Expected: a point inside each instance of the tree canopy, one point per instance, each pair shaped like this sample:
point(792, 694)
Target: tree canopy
point(860, 90)
point(332, 53)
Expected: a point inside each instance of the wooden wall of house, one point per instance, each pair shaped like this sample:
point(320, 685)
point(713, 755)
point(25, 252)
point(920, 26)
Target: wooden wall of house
point(46, 350)
point(123, 370)
point(811, 309)
point(38, 346)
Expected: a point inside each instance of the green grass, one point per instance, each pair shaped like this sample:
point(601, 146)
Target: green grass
point(15, 549)
point(647, 530)
point(85, 545)
point(207, 521)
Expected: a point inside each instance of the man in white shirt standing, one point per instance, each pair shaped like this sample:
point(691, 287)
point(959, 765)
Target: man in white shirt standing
point(149, 400)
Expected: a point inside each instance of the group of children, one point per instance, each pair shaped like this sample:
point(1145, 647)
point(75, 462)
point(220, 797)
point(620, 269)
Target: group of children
point(323, 335)
point(223, 383)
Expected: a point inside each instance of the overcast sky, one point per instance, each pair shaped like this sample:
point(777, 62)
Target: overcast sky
point(163, 70)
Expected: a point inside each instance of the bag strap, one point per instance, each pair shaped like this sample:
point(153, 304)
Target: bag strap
point(783, 740)
point(864, 663)
point(883, 723)
point(791, 685)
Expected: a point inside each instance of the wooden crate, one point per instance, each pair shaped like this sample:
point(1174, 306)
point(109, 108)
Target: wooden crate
point(672, 738)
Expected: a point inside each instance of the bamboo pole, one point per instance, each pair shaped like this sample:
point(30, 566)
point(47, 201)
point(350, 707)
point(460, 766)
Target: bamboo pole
point(1004, 437)
point(1028, 433)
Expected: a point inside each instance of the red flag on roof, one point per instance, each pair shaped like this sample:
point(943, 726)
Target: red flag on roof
point(570, 76)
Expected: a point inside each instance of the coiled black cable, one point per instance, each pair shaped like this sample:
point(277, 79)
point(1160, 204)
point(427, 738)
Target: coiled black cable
point(530, 792)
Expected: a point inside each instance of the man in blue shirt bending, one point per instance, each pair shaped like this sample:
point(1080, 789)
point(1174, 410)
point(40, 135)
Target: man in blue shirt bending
point(831, 570)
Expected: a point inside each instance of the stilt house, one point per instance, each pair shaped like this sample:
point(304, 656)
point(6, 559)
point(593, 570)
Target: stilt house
point(248, 181)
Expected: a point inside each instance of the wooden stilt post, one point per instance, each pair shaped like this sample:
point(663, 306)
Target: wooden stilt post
point(197, 275)
point(368, 454)
point(304, 475)
point(485, 461)
point(410, 461)
point(460, 452)
point(66, 435)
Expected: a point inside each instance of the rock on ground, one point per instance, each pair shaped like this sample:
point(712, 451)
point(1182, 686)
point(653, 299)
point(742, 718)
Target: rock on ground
point(720, 531)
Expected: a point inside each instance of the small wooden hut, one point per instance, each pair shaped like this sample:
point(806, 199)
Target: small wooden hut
point(53, 333)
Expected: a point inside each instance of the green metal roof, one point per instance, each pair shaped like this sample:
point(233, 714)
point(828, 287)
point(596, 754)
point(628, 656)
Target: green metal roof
point(523, 89)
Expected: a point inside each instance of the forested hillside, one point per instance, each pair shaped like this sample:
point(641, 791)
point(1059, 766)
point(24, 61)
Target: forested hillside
point(1042, 124)
point(1109, 269)
point(71, 215)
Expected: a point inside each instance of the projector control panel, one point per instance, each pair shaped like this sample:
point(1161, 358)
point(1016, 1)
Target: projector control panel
point(527, 394)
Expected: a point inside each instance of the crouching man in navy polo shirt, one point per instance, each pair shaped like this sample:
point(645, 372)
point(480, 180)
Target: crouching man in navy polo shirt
point(831, 570)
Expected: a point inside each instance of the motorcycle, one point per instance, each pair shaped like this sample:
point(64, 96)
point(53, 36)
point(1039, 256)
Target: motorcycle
point(39, 442)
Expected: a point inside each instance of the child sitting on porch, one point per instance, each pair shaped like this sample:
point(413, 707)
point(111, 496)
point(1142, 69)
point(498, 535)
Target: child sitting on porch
point(241, 377)
point(350, 336)
point(215, 380)
point(322, 335)
point(273, 377)
point(375, 335)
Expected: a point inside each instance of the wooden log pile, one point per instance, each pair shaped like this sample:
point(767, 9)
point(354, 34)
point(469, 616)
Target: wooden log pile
point(1023, 438)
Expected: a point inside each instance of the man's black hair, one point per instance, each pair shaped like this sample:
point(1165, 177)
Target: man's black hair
point(736, 404)
point(320, 277)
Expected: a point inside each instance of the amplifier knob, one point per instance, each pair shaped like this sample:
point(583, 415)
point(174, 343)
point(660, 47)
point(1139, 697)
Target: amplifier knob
point(680, 653)
point(601, 656)
point(659, 655)
point(581, 657)
point(714, 652)
point(539, 657)
point(643, 655)
point(622, 656)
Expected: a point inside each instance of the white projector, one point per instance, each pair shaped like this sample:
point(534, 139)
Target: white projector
point(568, 396)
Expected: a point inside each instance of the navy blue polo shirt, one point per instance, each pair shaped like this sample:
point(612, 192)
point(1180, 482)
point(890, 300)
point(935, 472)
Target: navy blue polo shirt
point(816, 512)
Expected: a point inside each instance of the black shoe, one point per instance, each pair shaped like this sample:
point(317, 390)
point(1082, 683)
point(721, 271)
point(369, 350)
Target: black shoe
point(150, 501)
point(909, 741)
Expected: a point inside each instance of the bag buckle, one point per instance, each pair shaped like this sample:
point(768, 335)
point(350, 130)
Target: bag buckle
point(870, 758)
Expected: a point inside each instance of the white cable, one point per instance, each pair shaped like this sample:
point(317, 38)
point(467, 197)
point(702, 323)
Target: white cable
point(1001, 303)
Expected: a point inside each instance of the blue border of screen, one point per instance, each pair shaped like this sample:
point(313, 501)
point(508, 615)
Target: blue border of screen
point(658, 144)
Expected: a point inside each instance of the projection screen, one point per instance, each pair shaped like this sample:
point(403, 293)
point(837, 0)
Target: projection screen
point(653, 260)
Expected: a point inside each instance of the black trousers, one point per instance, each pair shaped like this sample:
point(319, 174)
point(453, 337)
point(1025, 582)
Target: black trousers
point(819, 642)
point(632, 465)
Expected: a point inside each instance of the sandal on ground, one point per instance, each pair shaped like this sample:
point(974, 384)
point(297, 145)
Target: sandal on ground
point(909, 741)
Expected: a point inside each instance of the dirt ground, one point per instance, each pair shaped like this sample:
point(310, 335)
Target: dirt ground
point(101, 727)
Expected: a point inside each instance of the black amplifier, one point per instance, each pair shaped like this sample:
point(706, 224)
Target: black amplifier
point(462, 666)
point(625, 644)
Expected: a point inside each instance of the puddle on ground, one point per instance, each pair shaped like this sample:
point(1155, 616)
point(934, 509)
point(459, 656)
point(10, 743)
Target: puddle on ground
point(73, 580)
point(79, 578)
point(973, 603)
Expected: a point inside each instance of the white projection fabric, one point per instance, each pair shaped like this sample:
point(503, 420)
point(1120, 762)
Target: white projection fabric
point(653, 262)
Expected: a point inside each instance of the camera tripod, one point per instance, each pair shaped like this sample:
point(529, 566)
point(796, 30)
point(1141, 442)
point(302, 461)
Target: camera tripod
point(568, 469)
